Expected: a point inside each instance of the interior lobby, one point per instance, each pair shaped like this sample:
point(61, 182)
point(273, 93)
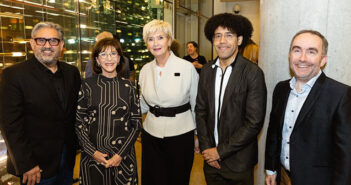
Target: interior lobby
point(274, 22)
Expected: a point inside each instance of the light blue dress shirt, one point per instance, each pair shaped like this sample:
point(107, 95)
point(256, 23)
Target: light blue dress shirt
point(293, 107)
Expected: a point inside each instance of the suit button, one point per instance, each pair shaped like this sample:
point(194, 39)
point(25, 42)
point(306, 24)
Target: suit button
point(286, 157)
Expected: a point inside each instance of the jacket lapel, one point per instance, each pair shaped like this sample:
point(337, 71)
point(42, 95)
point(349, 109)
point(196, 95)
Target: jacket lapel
point(153, 78)
point(233, 81)
point(283, 101)
point(311, 100)
point(68, 81)
point(212, 85)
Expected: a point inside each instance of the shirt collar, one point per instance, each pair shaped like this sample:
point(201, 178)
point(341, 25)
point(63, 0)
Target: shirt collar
point(308, 85)
point(43, 68)
point(216, 62)
point(169, 60)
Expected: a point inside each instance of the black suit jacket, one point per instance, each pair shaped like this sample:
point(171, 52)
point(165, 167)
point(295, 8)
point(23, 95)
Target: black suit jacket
point(320, 143)
point(241, 117)
point(33, 122)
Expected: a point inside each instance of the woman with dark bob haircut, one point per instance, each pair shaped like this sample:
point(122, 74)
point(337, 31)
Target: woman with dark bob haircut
point(108, 120)
point(100, 46)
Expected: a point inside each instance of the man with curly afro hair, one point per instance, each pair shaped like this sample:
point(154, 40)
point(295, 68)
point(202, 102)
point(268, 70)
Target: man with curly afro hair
point(231, 104)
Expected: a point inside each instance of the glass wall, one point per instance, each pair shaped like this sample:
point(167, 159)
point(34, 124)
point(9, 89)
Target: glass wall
point(190, 17)
point(82, 20)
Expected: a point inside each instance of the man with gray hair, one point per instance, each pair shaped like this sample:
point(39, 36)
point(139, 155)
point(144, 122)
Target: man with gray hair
point(38, 100)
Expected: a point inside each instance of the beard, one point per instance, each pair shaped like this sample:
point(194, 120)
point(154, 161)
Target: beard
point(47, 60)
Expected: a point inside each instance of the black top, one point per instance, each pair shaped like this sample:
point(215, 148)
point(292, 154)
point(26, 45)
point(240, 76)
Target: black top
point(109, 121)
point(56, 80)
point(33, 122)
point(199, 58)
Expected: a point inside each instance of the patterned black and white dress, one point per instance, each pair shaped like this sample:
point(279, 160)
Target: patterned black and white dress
point(108, 120)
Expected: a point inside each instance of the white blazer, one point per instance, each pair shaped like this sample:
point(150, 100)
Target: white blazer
point(177, 86)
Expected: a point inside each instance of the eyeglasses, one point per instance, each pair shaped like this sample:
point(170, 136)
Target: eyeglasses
point(104, 55)
point(227, 36)
point(42, 41)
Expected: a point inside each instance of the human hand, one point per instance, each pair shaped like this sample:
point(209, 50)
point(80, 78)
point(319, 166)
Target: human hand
point(196, 64)
point(271, 179)
point(210, 154)
point(100, 157)
point(214, 164)
point(32, 176)
point(114, 161)
point(196, 145)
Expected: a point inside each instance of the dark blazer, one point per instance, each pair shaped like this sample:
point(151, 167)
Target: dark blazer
point(241, 117)
point(33, 122)
point(320, 143)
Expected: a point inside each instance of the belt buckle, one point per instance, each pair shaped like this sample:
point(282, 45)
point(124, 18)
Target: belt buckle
point(157, 110)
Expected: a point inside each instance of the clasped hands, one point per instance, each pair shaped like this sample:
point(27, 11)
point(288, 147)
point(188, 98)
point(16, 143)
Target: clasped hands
point(211, 156)
point(114, 161)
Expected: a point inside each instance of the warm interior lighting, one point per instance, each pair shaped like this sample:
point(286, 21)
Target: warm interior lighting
point(71, 41)
point(28, 27)
point(9, 6)
point(18, 54)
point(11, 15)
point(86, 52)
point(3, 159)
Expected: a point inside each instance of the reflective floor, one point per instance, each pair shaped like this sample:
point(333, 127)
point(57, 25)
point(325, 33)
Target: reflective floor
point(5, 179)
point(197, 177)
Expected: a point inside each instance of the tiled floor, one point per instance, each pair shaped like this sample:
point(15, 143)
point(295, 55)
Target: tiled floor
point(197, 176)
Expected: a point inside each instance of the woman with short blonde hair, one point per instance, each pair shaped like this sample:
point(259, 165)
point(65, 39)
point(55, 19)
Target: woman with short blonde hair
point(168, 87)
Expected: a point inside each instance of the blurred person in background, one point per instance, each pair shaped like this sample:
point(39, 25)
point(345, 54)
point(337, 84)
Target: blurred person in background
point(193, 56)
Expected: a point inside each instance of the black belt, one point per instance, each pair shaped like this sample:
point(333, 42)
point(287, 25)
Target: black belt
point(169, 111)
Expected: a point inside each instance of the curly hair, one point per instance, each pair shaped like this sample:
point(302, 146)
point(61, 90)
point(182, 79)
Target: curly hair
point(237, 24)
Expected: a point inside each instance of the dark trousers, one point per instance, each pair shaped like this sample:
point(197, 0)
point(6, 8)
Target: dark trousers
point(226, 176)
point(64, 175)
point(167, 161)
